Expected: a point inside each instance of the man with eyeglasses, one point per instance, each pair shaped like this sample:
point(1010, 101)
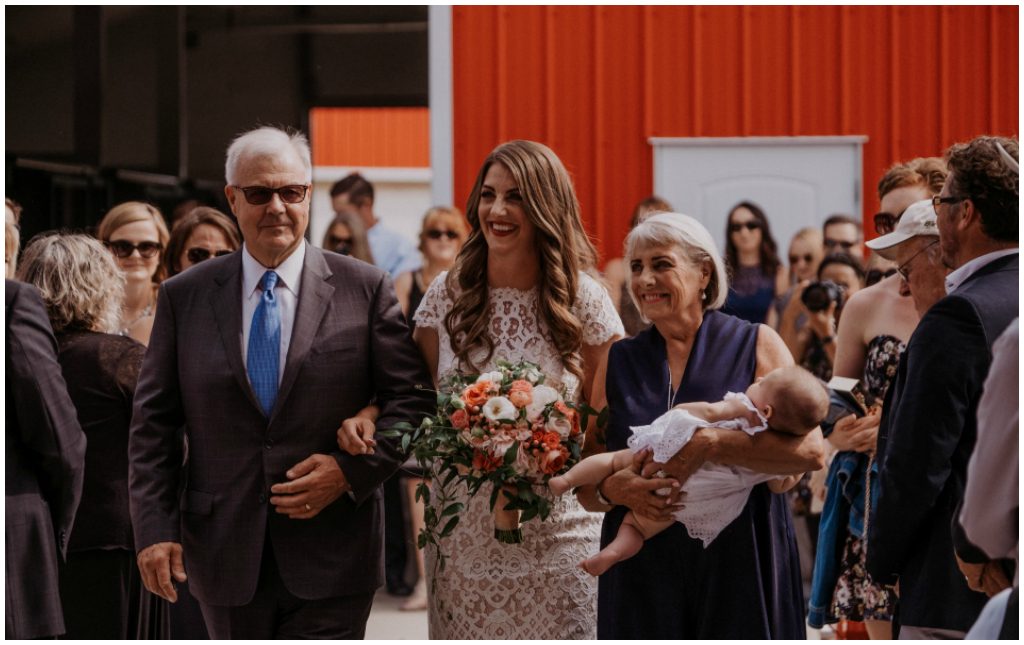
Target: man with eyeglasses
point(842, 234)
point(929, 420)
point(261, 355)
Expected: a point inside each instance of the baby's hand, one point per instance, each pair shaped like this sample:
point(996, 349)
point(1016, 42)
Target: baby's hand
point(355, 436)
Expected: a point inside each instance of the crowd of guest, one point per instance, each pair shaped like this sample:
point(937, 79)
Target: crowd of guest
point(118, 345)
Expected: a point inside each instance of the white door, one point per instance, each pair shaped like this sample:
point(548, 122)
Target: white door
point(797, 181)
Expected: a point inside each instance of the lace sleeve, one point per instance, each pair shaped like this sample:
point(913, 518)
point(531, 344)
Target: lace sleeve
point(596, 311)
point(435, 304)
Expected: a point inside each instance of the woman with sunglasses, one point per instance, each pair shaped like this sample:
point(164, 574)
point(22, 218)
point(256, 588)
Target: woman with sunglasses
point(876, 324)
point(442, 234)
point(346, 235)
point(757, 276)
point(136, 234)
point(199, 235)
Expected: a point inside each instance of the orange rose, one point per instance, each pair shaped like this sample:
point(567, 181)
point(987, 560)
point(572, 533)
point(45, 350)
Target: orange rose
point(485, 462)
point(520, 399)
point(460, 419)
point(538, 436)
point(554, 460)
point(575, 425)
point(563, 408)
point(551, 440)
point(476, 394)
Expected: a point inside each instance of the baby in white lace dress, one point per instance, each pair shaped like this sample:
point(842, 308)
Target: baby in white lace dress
point(787, 399)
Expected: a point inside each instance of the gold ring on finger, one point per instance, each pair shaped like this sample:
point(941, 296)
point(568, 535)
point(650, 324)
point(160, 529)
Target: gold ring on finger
point(308, 507)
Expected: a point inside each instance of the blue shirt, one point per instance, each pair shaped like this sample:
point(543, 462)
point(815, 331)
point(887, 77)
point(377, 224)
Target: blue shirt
point(392, 251)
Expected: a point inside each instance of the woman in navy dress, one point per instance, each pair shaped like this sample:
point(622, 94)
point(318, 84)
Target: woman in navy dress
point(746, 584)
point(757, 275)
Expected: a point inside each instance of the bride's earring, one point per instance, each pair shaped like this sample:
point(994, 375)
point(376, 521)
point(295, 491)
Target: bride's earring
point(703, 295)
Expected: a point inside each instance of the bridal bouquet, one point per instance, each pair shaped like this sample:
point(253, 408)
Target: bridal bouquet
point(506, 428)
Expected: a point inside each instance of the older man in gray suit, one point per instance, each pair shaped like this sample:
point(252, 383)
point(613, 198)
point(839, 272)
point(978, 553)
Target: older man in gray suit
point(261, 355)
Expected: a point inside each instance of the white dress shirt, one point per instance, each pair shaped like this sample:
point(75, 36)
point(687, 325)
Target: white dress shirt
point(289, 274)
point(958, 277)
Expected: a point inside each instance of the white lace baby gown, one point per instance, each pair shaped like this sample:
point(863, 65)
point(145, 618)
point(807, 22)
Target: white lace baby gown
point(533, 590)
point(715, 494)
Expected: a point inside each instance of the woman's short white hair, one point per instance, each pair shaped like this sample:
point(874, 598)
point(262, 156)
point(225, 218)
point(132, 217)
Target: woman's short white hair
point(266, 141)
point(693, 242)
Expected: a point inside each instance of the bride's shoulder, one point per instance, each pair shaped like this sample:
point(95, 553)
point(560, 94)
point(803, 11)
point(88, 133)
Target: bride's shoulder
point(590, 288)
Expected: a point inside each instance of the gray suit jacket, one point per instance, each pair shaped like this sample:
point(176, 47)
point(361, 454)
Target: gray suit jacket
point(349, 346)
point(45, 463)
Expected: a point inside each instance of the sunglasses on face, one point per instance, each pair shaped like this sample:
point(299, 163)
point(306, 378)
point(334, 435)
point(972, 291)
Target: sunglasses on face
point(260, 195)
point(342, 245)
point(846, 246)
point(794, 259)
point(198, 254)
point(124, 248)
point(885, 223)
point(435, 234)
point(750, 226)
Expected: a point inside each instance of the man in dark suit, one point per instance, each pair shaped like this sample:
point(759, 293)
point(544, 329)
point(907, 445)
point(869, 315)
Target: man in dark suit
point(929, 420)
point(45, 463)
point(261, 355)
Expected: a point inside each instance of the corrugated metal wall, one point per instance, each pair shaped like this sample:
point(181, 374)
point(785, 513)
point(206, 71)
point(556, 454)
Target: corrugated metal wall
point(385, 137)
point(595, 82)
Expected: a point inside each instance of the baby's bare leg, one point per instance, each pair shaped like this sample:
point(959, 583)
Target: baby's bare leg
point(591, 470)
point(627, 543)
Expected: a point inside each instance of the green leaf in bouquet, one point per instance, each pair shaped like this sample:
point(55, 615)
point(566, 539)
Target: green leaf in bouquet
point(430, 516)
point(406, 440)
point(449, 527)
point(423, 492)
point(494, 496)
point(511, 454)
point(452, 473)
point(602, 418)
point(529, 512)
point(422, 540)
point(452, 509)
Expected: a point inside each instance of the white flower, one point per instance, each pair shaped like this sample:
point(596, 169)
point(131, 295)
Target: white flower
point(499, 408)
point(500, 443)
point(543, 395)
point(559, 424)
point(493, 377)
point(532, 375)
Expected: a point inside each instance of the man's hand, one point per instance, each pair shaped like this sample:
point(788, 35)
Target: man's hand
point(355, 436)
point(157, 564)
point(823, 323)
point(627, 487)
point(988, 577)
point(691, 457)
point(859, 435)
point(315, 482)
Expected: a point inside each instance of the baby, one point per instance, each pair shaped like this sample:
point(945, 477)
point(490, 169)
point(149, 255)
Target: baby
point(787, 399)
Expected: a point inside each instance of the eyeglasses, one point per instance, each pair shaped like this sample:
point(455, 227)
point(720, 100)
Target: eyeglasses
point(875, 276)
point(124, 248)
point(885, 223)
point(793, 259)
point(435, 234)
point(342, 245)
point(197, 254)
point(831, 244)
point(936, 200)
point(260, 195)
point(750, 226)
point(903, 269)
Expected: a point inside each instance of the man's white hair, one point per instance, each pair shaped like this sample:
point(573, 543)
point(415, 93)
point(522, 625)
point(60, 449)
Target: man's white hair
point(694, 243)
point(266, 141)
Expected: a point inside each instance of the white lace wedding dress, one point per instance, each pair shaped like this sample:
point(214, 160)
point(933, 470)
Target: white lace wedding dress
point(533, 590)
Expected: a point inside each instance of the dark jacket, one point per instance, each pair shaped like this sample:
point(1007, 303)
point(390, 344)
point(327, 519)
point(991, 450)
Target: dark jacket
point(925, 440)
point(45, 457)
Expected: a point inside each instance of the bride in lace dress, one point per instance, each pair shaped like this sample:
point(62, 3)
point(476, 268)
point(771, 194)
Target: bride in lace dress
point(519, 291)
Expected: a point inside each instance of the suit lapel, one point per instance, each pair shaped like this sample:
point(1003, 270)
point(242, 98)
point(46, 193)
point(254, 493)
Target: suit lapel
point(226, 302)
point(315, 294)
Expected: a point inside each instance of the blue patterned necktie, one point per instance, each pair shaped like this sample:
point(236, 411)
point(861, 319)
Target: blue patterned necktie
point(264, 357)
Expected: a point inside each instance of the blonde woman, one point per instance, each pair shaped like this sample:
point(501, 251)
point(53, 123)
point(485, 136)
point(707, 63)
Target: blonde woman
point(519, 290)
point(135, 233)
point(442, 235)
point(347, 235)
point(101, 588)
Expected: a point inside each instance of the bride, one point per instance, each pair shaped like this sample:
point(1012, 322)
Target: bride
point(519, 290)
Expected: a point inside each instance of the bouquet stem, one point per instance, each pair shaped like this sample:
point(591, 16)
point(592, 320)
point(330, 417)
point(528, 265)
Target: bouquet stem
point(506, 522)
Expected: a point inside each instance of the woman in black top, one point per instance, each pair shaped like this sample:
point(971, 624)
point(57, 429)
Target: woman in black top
point(101, 591)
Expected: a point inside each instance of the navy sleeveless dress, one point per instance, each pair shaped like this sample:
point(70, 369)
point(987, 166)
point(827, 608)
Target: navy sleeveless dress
point(746, 584)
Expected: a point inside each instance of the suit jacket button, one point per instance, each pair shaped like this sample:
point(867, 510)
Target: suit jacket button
point(263, 498)
point(269, 444)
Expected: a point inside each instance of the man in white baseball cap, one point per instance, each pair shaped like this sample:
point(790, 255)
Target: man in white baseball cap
point(914, 246)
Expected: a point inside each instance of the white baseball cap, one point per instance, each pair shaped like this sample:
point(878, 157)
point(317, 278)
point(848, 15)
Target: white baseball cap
point(918, 219)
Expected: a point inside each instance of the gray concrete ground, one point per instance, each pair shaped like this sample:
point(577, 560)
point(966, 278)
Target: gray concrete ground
point(388, 622)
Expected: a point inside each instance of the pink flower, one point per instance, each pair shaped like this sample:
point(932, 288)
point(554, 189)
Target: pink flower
point(460, 419)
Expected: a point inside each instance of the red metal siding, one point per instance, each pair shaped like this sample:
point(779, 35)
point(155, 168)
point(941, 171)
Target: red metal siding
point(595, 82)
point(389, 137)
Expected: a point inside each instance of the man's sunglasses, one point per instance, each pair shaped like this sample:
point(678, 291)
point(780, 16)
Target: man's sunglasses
point(260, 195)
point(830, 243)
point(793, 259)
point(885, 223)
point(124, 248)
point(750, 226)
point(198, 254)
point(435, 234)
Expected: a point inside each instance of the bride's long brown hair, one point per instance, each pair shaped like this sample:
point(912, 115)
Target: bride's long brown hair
point(563, 250)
